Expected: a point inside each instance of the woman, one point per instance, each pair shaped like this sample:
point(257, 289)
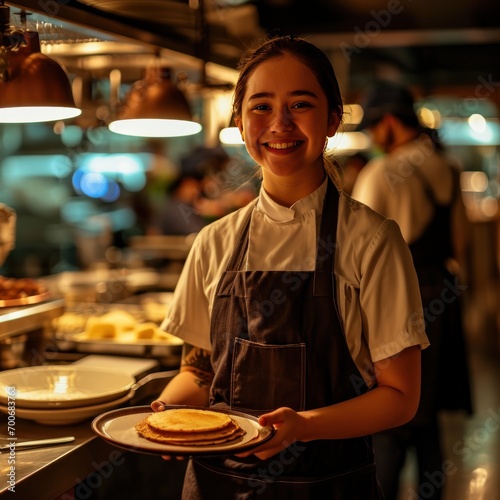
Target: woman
point(302, 307)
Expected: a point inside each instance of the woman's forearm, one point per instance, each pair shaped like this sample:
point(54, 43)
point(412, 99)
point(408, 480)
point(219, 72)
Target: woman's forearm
point(391, 404)
point(185, 389)
point(372, 412)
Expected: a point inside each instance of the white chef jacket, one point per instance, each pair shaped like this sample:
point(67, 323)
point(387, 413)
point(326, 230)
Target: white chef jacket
point(389, 185)
point(377, 289)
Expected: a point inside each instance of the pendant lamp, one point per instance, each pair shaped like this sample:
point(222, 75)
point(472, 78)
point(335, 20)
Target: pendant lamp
point(33, 87)
point(155, 107)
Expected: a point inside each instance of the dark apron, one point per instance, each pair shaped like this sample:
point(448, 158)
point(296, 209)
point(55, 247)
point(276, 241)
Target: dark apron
point(277, 341)
point(445, 371)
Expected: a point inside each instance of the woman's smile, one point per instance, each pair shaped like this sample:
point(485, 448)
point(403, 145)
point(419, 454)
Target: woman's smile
point(283, 145)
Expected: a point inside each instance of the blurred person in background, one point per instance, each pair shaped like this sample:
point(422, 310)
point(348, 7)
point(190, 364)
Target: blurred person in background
point(206, 189)
point(179, 215)
point(351, 167)
point(414, 183)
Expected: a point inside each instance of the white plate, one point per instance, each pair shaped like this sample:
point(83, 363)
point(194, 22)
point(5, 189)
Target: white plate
point(68, 386)
point(118, 428)
point(61, 416)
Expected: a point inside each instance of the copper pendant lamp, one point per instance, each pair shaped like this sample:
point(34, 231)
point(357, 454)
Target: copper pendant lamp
point(155, 107)
point(33, 87)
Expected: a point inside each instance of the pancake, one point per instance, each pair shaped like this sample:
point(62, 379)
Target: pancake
point(188, 420)
point(189, 427)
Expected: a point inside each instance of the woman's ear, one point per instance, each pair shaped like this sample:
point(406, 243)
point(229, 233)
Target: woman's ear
point(238, 123)
point(333, 124)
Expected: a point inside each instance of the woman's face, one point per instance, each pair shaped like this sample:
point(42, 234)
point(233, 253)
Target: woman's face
point(285, 119)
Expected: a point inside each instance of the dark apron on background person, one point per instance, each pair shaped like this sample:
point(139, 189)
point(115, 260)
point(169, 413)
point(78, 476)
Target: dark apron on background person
point(445, 377)
point(445, 372)
point(277, 341)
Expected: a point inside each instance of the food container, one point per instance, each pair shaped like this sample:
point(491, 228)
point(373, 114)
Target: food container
point(73, 331)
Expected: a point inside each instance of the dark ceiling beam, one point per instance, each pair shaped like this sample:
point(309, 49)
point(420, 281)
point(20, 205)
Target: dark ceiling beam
point(150, 33)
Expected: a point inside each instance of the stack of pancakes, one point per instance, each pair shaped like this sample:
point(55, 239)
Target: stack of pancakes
point(188, 427)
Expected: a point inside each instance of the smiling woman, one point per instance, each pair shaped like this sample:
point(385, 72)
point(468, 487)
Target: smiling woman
point(266, 282)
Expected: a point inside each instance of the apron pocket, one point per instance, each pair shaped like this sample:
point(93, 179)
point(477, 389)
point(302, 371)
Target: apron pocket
point(267, 376)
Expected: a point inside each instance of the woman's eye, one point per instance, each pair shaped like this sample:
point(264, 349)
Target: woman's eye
point(261, 107)
point(302, 104)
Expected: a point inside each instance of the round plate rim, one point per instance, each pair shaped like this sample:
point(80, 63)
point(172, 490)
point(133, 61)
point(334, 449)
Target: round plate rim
point(208, 450)
point(63, 404)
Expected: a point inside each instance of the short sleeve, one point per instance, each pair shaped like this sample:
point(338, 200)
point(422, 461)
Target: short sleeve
point(188, 313)
point(390, 299)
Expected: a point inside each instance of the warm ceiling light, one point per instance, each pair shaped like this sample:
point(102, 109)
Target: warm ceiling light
point(155, 107)
point(33, 87)
point(231, 135)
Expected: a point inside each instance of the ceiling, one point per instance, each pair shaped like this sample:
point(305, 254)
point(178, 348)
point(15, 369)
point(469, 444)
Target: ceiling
point(447, 46)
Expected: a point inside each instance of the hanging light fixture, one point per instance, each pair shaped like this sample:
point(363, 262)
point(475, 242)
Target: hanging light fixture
point(155, 107)
point(33, 87)
point(231, 135)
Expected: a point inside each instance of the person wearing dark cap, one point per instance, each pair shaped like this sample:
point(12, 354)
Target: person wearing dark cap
point(414, 183)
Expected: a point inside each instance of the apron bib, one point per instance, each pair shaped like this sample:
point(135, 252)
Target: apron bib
point(277, 341)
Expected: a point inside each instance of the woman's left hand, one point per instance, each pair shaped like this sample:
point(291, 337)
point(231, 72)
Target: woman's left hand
point(289, 427)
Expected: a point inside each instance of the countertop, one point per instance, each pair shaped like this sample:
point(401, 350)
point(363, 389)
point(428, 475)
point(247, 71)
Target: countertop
point(48, 472)
point(14, 320)
point(88, 462)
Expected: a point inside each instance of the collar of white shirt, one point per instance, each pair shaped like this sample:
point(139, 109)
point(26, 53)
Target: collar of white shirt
point(279, 213)
point(284, 238)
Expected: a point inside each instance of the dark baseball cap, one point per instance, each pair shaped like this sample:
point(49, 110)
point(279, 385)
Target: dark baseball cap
point(385, 97)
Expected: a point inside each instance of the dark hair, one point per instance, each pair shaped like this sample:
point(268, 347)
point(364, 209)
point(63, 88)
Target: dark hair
point(306, 52)
point(387, 97)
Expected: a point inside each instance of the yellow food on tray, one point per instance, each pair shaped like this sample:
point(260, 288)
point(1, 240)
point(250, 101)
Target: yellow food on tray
point(145, 330)
point(100, 329)
point(122, 319)
point(70, 322)
point(111, 325)
point(117, 325)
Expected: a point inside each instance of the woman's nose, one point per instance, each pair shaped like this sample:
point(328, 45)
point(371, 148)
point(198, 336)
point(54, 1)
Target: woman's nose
point(282, 120)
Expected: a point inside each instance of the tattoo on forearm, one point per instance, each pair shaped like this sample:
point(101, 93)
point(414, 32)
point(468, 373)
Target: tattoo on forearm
point(199, 361)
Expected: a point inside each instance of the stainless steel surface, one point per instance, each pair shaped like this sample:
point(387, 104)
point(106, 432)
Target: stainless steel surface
point(46, 473)
point(36, 443)
point(22, 319)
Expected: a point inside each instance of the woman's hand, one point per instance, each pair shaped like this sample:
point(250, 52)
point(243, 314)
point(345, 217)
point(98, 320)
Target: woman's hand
point(289, 427)
point(158, 405)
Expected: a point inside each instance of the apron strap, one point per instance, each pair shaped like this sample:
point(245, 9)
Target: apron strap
point(325, 253)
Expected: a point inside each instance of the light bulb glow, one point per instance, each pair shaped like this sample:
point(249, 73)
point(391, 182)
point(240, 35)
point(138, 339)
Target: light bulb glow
point(154, 127)
point(35, 114)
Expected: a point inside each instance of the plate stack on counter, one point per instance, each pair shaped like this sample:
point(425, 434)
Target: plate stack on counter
point(62, 395)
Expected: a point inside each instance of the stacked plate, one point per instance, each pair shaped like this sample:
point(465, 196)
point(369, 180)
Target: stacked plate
point(61, 395)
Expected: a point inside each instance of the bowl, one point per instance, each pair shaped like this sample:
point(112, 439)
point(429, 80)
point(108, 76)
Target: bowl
point(68, 386)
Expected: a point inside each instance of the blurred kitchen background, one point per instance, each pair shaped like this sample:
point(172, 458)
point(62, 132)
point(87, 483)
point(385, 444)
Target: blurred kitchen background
point(92, 204)
point(90, 198)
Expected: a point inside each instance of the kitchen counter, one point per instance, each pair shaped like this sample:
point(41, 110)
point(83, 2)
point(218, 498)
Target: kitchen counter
point(88, 467)
point(51, 471)
point(15, 320)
